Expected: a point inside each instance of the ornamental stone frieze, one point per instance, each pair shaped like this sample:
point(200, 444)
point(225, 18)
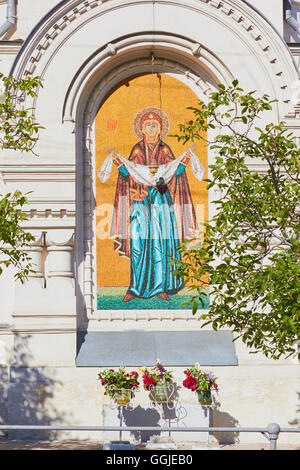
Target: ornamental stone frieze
point(51, 255)
point(47, 300)
point(52, 278)
point(68, 17)
point(59, 246)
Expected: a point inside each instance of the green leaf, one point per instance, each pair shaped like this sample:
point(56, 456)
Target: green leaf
point(250, 249)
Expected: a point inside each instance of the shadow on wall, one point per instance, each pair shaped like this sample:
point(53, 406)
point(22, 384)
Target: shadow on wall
point(142, 417)
point(224, 420)
point(26, 395)
point(296, 420)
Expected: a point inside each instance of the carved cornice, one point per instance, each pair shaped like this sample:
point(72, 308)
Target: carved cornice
point(240, 17)
point(20, 171)
point(49, 217)
point(10, 47)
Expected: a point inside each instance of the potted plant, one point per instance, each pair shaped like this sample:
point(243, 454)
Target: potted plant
point(157, 381)
point(202, 382)
point(119, 384)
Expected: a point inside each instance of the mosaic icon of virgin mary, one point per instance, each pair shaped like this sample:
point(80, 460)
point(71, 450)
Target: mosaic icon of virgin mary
point(153, 207)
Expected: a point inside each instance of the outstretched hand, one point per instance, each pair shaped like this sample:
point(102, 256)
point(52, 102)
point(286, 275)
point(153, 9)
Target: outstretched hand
point(116, 160)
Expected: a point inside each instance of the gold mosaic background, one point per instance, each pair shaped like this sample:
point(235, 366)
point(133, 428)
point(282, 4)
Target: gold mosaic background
point(114, 129)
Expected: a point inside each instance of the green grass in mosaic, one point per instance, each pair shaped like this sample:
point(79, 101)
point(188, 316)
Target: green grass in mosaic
point(112, 298)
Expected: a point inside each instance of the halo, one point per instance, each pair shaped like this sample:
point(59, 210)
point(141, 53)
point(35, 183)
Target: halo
point(137, 121)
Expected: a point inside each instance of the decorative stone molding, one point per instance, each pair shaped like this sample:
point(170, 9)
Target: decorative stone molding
point(10, 47)
point(196, 50)
point(37, 252)
point(141, 316)
point(46, 303)
point(49, 214)
point(238, 15)
point(59, 245)
point(88, 170)
point(165, 57)
point(29, 170)
point(52, 254)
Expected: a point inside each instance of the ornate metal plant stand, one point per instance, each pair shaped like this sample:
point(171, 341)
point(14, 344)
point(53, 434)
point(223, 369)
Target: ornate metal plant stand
point(122, 398)
point(164, 400)
point(179, 414)
point(163, 393)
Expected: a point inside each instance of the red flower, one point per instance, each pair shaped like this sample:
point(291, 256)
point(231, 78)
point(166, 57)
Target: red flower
point(134, 373)
point(134, 384)
point(103, 381)
point(215, 385)
point(190, 382)
point(148, 381)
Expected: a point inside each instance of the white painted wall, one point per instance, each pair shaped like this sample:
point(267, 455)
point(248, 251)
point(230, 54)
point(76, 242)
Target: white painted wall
point(44, 311)
point(272, 10)
point(29, 13)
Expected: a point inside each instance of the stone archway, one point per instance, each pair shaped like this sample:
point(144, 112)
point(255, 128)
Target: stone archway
point(196, 78)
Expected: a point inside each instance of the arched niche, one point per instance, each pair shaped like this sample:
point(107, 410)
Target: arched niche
point(199, 78)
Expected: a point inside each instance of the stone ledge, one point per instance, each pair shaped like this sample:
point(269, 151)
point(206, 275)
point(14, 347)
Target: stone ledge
point(142, 348)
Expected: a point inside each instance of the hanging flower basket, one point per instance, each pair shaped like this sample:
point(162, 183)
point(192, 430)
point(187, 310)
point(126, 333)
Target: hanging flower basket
point(119, 385)
point(202, 382)
point(158, 382)
point(159, 393)
point(122, 396)
point(204, 397)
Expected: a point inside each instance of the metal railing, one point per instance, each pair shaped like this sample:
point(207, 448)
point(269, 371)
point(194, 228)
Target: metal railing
point(271, 432)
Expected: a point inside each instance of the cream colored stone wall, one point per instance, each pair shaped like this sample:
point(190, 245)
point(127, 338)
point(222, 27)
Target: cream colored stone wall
point(81, 53)
point(272, 11)
point(249, 396)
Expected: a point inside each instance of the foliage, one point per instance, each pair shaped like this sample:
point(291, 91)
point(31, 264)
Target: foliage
point(18, 131)
point(158, 374)
point(249, 253)
point(114, 380)
point(199, 380)
point(18, 126)
point(13, 239)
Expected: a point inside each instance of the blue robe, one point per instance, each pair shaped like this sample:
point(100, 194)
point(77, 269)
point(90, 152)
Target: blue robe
point(154, 241)
point(152, 236)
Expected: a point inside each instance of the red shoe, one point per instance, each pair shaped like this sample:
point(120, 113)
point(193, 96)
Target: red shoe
point(128, 297)
point(163, 296)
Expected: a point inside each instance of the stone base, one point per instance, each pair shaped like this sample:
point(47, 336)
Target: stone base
point(161, 443)
point(118, 445)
